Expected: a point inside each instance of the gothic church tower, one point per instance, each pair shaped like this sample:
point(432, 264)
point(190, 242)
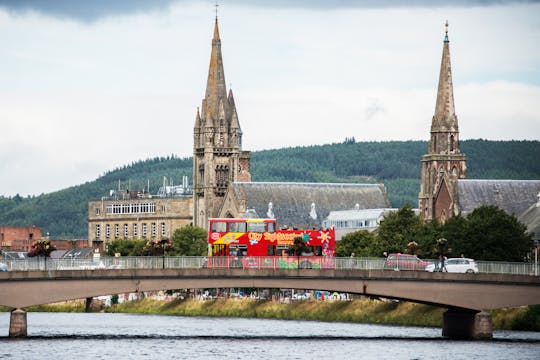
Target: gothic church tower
point(444, 164)
point(218, 159)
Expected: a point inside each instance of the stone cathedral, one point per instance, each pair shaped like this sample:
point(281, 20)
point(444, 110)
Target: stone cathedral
point(444, 164)
point(218, 159)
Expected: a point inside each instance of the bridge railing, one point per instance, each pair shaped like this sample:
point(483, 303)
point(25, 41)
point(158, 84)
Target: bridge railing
point(497, 267)
point(246, 262)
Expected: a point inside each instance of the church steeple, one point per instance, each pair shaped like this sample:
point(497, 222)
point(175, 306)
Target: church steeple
point(218, 159)
point(216, 90)
point(444, 164)
point(445, 114)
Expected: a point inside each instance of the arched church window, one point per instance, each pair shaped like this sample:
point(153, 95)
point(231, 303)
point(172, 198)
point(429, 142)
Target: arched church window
point(441, 171)
point(454, 171)
point(451, 142)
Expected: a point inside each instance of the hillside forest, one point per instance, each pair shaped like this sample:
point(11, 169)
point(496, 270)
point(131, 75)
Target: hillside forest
point(63, 214)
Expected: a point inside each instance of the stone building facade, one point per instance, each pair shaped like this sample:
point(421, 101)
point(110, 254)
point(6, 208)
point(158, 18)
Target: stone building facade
point(218, 158)
point(444, 163)
point(137, 216)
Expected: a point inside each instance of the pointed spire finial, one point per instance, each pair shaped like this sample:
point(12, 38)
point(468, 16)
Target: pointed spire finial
point(446, 32)
point(216, 8)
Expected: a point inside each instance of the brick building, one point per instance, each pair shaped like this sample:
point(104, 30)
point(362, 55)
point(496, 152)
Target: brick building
point(18, 238)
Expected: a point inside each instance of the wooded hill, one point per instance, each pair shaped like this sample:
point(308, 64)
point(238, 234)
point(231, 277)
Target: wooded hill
point(395, 163)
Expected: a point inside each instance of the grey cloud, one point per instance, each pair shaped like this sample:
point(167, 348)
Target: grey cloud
point(91, 10)
point(85, 10)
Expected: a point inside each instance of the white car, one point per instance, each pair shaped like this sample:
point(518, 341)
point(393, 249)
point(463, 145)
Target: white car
point(455, 265)
point(3, 267)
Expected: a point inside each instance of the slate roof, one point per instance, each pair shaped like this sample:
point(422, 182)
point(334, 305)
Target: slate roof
point(531, 219)
point(513, 196)
point(292, 202)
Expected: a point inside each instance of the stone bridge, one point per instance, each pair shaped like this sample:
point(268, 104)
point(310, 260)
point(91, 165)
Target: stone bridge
point(466, 296)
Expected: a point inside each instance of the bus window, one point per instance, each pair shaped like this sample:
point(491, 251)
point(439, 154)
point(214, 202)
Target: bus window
point(317, 250)
point(257, 227)
point(271, 250)
point(237, 227)
point(219, 226)
point(271, 227)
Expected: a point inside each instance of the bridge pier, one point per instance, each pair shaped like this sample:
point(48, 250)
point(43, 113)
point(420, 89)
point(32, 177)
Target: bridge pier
point(18, 324)
point(462, 324)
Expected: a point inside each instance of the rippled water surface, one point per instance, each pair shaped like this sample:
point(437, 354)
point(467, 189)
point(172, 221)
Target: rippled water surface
point(130, 336)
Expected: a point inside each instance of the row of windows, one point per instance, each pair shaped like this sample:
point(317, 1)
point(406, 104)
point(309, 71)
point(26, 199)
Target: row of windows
point(135, 208)
point(340, 224)
point(135, 228)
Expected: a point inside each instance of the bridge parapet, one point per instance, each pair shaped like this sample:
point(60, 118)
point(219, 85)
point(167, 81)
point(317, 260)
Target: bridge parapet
point(249, 262)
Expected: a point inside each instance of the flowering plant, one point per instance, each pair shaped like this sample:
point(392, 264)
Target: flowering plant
point(42, 247)
point(154, 248)
point(412, 247)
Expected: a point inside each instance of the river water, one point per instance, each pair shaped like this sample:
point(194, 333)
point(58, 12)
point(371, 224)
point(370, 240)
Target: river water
point(70, 336)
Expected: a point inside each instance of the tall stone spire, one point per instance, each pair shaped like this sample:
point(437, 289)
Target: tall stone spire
point(218, 159)
point(444, 164)
point(445, 114)
point(216, 90)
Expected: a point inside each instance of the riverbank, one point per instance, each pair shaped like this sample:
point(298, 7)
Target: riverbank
point(357, 311)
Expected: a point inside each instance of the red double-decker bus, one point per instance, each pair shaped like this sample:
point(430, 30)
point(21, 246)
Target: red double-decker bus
point(257, 243)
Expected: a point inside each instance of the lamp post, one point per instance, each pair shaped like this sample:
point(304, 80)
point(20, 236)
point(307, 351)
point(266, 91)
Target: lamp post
point(163, 244)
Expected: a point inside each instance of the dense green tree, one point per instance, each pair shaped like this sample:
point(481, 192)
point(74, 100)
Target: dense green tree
point(493, 235)
point(189, 241)
point(399, 228)
point(126, 247)
point(426, 237)
point(361, 243)
point(454, 231)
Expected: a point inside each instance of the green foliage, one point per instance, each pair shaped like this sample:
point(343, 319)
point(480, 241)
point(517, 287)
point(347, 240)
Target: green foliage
point(361, 243)
point(395, 163)
point(189, 241)
point(491, 234)
point(126, 247)
point(397, 229)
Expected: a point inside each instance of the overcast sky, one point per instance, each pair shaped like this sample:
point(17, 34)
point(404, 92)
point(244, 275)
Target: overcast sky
point(86, 87)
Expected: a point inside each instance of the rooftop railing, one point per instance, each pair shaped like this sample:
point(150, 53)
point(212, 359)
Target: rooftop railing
point(251, 262)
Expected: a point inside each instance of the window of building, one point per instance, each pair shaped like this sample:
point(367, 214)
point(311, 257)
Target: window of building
point(108, 231)
point(162, 229)
point(98, 231)
point(116, 230)
point(126, 230)
point(154, 230)
point(135, 208)
point(97, 211)
point(135, 230)
point(144, 229)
